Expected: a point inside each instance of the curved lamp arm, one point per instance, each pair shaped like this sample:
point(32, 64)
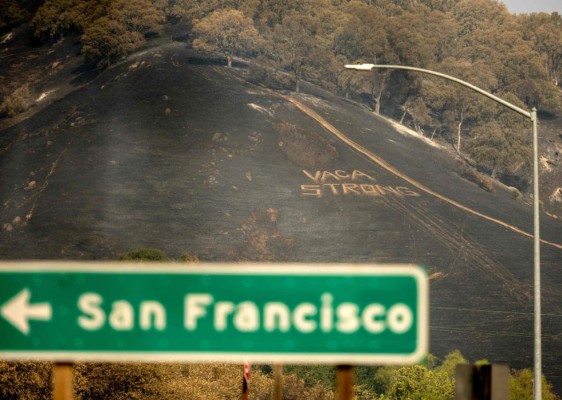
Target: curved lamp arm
point(369, 67)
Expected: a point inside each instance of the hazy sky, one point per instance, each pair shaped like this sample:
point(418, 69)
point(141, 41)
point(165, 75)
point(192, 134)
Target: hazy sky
point(529, 6)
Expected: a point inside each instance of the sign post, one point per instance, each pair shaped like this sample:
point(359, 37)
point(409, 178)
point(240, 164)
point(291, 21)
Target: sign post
point(344, 382)
point(481, 382)
point(246, 380)
point(277, 382)
point(63, 381)
point(280, 313)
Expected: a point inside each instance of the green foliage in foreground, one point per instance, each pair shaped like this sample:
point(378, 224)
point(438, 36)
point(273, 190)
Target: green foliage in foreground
point(144, 254)
point(431, 380)
point(521, 386)
point(150, 382)
point(150, 254)
point(25, 380)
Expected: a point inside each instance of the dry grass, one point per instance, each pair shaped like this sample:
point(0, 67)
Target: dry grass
point(306, 149)
point(16, 102)
point(470, 173)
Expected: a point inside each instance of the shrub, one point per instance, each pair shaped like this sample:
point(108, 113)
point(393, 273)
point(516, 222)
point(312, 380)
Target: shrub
point(263, 71)
point(25, 380)
point(420, 382)
point(474, 176)
point(17, 102)
point(122, 381)
point(314, 375)
point(226, 31)
point(521, 386)
point(56, 18)
point(107, 40)
point(121, 31)
point(186, 257)
point(11, 14)
point(515, 193)
point(144, 254)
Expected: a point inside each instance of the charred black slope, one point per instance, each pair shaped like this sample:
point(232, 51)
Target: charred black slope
point(187, 157)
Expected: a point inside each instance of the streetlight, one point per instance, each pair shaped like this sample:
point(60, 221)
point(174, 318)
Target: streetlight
point(537, 390)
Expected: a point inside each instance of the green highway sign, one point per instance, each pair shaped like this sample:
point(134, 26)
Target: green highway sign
point(315, 313)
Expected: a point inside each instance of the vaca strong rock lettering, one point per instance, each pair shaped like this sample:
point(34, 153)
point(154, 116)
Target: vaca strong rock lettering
point(356, 183)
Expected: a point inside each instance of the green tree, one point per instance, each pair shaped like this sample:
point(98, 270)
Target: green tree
point(11, 14)
point(521, 73)
point(421, 383)
point(419, 113)
point(503, 144)
point(271, 13)
point(189, 11)
point(56, 18)
point(138, 16)
point(108, 39)
point(145, 254)
point(474, 15)
point(407, 39)
point(450, 363)
point(121, 31)
point(322, 65)
point(294, 44)
point(544, 31)
point(521, 386)
point(323, 375)
point(362, 37)
point(383, 379)
point(226, 31)
point(459, 107)
point(427, 381)
point(247, 7)
point(519, 52)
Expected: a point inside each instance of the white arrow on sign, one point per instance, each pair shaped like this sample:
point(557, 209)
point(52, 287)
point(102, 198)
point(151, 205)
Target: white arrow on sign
point(18, 311)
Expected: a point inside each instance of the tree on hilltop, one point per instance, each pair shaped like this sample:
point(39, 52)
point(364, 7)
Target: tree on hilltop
point(11, 14)
point(107, 40)
point(362, 37)
point(121, 31)
point(190, 11)
point(56, 18)
point(545, 33)
point(226, 31)
point(460, 107)
point(294, 44)
point(140, 16)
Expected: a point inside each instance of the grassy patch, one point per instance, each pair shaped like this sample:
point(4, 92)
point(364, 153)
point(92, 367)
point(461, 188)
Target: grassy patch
point(470, 173)
point(16, 103)
point(144, 254)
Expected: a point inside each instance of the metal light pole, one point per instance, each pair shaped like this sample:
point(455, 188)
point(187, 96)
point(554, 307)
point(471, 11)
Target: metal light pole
point(537, 390)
